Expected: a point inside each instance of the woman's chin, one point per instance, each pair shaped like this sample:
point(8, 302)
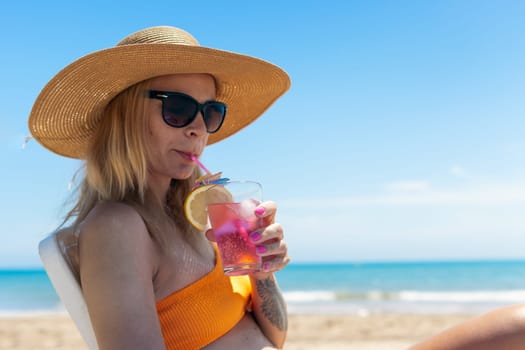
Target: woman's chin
point(182, 175)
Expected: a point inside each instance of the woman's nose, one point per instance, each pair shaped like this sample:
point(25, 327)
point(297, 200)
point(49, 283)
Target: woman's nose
point(197, 127)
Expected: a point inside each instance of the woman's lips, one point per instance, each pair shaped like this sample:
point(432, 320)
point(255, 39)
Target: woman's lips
point(186, 155)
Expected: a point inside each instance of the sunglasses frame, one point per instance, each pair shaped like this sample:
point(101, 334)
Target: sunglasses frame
point(201, 107)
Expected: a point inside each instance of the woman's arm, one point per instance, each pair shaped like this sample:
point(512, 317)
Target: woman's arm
point(499, 329)
point(269, 308)
point(268, 304)
point(117, 265)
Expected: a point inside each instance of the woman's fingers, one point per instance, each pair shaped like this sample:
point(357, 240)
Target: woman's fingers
point(273, 247)
point(271, 232)
point(274, 263)
point(266, 212)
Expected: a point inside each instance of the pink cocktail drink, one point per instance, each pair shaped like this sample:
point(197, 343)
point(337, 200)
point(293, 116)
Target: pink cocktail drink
point(232, 224)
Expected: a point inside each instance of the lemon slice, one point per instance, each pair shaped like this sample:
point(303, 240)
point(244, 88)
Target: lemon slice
point(197, 201)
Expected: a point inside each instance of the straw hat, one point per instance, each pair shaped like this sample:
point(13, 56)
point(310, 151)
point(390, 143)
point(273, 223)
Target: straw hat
point(69, 107)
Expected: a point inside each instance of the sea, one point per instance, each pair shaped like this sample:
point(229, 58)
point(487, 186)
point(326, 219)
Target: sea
point(466, 287)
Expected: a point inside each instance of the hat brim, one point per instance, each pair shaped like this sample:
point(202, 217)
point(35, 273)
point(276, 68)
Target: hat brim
point(69, 107)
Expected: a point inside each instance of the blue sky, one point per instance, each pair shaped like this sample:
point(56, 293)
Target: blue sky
point(400, 139)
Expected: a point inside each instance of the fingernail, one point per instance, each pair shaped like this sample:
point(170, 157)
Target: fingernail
point(261, 249)
point(255, 236)
point(260, 211)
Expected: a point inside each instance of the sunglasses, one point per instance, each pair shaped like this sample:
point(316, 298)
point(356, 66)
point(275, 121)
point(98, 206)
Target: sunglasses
point(180, 110)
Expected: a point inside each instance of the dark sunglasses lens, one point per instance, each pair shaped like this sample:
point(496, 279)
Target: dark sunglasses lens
point(214, 113)
point(179, 110)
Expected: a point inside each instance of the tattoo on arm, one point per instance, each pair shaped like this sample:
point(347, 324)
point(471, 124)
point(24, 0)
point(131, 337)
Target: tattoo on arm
point(273, 304)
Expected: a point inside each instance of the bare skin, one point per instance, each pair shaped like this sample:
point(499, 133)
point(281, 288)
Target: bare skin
point(502, 328)
point(123, 272)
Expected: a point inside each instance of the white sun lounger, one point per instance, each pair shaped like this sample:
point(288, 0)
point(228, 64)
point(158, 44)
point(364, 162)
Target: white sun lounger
point(60, 262)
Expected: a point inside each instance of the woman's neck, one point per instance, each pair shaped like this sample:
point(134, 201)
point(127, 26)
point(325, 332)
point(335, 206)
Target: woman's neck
point(159, 188)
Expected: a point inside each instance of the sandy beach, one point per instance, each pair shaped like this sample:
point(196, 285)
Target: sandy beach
point(334, 332)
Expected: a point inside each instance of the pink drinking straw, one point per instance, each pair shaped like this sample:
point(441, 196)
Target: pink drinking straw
point(198, 162)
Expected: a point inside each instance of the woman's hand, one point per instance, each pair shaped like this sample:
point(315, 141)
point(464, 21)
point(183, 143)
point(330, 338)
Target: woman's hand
point(268, 239)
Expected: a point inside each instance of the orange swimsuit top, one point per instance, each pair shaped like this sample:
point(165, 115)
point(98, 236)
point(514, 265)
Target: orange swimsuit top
point(202, 312)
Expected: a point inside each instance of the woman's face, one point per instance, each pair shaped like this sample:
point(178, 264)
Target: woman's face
point(169, 148)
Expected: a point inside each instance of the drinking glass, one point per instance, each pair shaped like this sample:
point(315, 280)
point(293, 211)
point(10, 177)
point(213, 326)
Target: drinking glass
point(232, 223)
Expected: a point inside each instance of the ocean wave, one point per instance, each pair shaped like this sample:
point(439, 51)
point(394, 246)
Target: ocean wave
point(309, 296)
point(464, 296)
point(408, 296)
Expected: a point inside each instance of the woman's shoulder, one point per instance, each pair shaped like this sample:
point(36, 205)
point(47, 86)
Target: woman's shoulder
point(114, 216)
point(118, 262)
point(115, 226)
point(112, 209)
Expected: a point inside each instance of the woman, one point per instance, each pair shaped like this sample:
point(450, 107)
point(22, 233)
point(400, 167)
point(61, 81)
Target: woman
point(149, 279)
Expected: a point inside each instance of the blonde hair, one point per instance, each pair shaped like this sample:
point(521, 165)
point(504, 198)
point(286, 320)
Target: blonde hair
point(116, 169)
